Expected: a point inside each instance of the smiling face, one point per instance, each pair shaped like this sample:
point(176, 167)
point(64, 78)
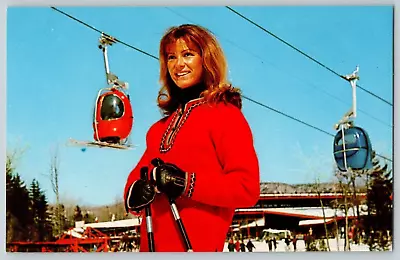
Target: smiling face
point(185, 64)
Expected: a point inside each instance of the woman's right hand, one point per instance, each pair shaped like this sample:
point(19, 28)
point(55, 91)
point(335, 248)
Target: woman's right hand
point(140, 194)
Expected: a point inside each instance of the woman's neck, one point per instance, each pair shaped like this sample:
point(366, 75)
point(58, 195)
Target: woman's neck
point(190, 93)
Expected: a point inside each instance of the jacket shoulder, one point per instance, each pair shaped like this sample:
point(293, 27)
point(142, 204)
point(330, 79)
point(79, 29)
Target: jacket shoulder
point(222, 110)
point(157, 125)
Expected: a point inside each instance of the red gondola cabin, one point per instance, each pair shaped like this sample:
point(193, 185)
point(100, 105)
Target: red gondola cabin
point(113, 117)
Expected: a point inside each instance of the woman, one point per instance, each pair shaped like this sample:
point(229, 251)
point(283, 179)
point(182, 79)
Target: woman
point(201, 153)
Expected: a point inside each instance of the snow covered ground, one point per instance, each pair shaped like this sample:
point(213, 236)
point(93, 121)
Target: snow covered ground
point(281, 246)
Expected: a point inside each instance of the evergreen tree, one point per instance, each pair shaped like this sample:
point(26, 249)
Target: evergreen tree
point(18, 215)
point(34, 196)
point(380, 206)
point(89, 217)
point(27, 217)
point(39, 209)
point(78, 214)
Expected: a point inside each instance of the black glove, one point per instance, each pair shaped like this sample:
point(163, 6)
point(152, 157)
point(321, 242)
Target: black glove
point(141, 193)
point(169, 179)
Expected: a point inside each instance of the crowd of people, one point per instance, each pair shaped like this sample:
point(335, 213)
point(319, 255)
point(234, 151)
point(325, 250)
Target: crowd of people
point(240, 246)
point(237, 243)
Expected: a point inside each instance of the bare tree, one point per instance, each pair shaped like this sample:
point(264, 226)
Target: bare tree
point(12, 158)
point(317, 170)
point(119, 208)
point(345, 185)
point(54, 179)
point(335, 207)
point(317, 189)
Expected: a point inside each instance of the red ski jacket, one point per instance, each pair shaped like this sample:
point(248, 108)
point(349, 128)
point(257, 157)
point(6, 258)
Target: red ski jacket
point(214, 145)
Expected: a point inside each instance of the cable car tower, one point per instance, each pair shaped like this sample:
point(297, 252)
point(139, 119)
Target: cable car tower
point(113, 116)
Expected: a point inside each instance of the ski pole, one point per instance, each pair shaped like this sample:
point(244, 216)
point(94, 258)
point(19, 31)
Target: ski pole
point(149, 221)
point(181, 227)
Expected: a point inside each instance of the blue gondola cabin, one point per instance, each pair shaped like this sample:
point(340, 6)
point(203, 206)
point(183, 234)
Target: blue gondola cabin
point(357, 149)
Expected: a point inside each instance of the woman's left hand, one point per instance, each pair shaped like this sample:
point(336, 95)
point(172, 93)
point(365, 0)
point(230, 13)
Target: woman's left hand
point(169, 178)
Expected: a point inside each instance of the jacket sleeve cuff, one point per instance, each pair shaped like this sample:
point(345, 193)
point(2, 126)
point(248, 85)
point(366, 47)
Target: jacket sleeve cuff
point(129, 196)
point(190, 185)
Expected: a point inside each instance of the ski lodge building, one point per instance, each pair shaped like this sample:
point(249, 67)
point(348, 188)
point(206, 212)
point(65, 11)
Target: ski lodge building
point(297, 211)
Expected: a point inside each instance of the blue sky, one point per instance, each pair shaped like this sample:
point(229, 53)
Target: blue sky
point(54, 70)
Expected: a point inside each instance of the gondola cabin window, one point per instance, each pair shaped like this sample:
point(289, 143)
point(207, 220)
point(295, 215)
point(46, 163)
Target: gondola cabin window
point(112, 108)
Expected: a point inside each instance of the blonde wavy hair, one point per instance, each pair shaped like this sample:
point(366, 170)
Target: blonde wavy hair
point(214, 68)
